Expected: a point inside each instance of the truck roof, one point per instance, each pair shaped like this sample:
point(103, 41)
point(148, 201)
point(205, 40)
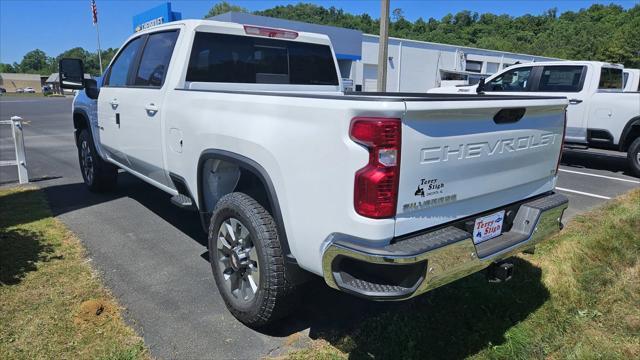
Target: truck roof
point(231, 28)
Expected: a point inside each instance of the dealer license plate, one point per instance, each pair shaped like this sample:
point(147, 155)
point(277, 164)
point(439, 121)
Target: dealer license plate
point(488, 227)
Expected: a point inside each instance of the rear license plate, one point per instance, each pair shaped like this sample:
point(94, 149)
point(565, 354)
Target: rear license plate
point(488, 227)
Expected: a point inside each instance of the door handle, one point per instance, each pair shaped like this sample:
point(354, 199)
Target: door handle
point(152, 109)
point(114, 103)
point(574, 101)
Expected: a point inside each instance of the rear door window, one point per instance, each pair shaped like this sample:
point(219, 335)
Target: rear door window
point(512, 80)
point(561, 79)
point(610, 79)
point(119, 72)
point(155, 59)
point(243, 59)
point(624, 81)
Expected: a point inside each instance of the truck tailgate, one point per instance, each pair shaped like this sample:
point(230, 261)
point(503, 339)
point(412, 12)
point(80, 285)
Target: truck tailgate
point(457, 160)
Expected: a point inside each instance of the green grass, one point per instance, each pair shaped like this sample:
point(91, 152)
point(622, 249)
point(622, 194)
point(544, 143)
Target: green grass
point(52, 304)
point(577, 297)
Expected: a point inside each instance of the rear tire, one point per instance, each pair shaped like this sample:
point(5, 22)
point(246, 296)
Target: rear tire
point(247, 261)
point(98, 175)
point(633, 156)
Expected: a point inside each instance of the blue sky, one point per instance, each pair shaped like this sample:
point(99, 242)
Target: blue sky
point(58, 25)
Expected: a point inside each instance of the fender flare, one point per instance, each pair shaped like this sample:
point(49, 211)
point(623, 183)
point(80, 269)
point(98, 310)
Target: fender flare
point(87, 120)
point(624, 144)
point(257, 170)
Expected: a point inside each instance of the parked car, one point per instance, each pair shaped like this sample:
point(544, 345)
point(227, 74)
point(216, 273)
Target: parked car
point(384, 195)
point(19, 90)
point(632, 80)
point(29, 90)
point(600, 114)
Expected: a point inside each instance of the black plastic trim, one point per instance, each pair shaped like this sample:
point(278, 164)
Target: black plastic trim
point(256, 169)
point(599, 136)
point(624, 144)
point(509, 115)
point(86, 120)
point(181, 185)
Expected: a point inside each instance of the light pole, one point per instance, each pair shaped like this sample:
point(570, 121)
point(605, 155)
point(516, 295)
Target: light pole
point(383, 48)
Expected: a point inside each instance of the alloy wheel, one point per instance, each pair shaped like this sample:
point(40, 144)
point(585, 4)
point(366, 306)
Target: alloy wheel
point(87, 161)
point(238, 259)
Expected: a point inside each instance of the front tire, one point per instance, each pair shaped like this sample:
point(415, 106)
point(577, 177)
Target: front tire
point(98, 175)
point(247, 261)
point(633, 156)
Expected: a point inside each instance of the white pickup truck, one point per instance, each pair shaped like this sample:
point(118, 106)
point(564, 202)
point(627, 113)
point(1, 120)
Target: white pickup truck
point(386, 196)
point(599, 115)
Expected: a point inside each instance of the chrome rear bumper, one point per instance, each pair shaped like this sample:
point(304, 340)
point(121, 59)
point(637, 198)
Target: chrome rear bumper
point(412, 266)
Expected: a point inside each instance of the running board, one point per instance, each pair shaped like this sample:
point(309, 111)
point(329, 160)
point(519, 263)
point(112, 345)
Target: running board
point(574, 146)
point(183, 201)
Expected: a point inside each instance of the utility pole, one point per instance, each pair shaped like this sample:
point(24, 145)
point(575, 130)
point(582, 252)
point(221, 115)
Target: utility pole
point(383, 46)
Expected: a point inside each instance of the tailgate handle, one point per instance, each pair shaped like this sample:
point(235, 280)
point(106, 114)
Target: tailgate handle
point(506, 116)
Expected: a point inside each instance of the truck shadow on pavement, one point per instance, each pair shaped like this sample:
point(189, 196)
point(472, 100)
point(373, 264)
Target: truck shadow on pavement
point(69, 197)
point(596, 161)
point(453, 321)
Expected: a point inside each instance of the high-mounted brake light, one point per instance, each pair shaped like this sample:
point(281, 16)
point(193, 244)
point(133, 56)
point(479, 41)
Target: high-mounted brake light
point(270, 32)
point(564, 132)
point(376, 184)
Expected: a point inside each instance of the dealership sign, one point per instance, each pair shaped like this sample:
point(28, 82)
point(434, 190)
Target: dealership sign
point(155, 16)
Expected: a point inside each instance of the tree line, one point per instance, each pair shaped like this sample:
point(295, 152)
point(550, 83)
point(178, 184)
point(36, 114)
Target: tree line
point(37, 62)
point(601, 32)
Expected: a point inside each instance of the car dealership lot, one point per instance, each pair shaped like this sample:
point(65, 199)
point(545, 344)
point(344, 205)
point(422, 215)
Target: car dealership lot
point(153, 255)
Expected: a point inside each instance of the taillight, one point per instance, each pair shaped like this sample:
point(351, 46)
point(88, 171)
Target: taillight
point(376, 185)
point(270, 32)
point(564, 131)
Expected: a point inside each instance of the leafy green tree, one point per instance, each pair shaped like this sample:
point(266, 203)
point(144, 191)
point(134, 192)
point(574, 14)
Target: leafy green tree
point(7, 68)
point(224, 7)
point(35, 62)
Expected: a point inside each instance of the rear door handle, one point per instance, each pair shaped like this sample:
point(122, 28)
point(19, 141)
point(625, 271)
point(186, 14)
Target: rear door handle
point(574, 101)
point(152, 109)
point(114, 103)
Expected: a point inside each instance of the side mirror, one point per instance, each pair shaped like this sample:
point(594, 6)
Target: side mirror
point(91, 88)
point(71, 72)
point(481, 87)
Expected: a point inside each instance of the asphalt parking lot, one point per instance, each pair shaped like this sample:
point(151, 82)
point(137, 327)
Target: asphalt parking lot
point(154, 259)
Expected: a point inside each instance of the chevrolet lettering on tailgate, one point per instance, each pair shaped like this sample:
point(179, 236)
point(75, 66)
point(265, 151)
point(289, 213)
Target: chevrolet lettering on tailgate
point(478, 149)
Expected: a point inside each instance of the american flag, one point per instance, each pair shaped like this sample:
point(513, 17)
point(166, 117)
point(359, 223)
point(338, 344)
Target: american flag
point(94, 11)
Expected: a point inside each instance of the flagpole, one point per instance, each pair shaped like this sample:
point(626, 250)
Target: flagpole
point(99, 51)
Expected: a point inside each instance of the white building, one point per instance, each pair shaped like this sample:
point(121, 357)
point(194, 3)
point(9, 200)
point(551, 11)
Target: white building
point(412, 66)
point(417, 66)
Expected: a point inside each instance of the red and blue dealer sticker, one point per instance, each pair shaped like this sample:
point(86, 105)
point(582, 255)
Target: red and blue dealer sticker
point(488, 227)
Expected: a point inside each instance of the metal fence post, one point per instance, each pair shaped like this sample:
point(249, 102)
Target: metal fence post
point(18, 141)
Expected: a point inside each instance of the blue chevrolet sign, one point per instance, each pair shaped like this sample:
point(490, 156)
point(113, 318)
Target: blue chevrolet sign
point(155, 16)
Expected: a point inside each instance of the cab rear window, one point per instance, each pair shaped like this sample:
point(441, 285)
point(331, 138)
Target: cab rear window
point(243, 59)
point(610, 79)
